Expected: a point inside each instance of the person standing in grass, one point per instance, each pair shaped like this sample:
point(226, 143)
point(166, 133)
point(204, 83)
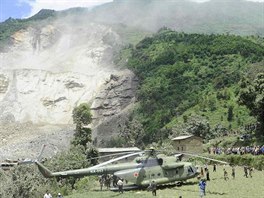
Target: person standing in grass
point(202, 172)
point(153, 188)
point(207, 175)
point(225, 175)
point(214, 168)
point(101, 181)
point(250, 170)
point(202, 185)
point(245, 171)
point(120, 185)
point(233, 172)
point(47, 195)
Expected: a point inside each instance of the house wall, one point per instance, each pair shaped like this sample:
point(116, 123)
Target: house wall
point(195, 146)
point(190, 145)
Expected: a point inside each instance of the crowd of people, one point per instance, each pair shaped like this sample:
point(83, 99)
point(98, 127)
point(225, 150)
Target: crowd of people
point(107, 179)
point(204, 175)
point(254, 150)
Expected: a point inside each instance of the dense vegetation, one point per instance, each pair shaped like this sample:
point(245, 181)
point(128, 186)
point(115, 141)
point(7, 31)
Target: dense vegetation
point(192, 78)
point(252, 95)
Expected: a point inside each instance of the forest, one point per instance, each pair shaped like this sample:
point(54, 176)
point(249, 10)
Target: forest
point(197, 83)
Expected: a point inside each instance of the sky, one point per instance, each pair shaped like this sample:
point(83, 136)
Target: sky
point(27, 8)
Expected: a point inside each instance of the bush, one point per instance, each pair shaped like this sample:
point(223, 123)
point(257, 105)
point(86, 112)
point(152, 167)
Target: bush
point(86, 184)
point(243, 160)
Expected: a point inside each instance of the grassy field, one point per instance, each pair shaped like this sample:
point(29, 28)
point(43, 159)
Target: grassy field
point(240, 187)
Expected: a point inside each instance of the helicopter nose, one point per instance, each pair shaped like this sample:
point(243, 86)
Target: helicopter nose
point(197, 170)
point(197, 173)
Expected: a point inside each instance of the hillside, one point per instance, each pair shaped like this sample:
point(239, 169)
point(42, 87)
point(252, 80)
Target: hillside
point(55, 60)
point(193, 79)
point(49, 65)
point(148, 71)
point(216, 16)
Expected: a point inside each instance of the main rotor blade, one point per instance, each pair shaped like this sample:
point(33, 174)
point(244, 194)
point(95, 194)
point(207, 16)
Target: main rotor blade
point(207, 158)
point(31, 161)
point(41, 152)
point(117, 159)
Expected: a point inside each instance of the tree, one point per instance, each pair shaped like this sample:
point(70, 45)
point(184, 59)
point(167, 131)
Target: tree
point(23, 181)
point(252, 96)
point(195, 125)
point(82, 117)
point(82, 136)
point(92, 154)
point(230, 114)
point(74, 158)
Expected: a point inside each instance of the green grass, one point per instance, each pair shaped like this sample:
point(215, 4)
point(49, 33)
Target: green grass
point(240, 187)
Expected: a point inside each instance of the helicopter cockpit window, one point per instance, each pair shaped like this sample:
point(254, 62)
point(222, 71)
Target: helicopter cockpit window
point(160, 161)
point(190, 170)
point(150, 162)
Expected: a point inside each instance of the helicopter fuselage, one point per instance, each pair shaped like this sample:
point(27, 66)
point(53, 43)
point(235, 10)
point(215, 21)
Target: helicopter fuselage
point(162, 170)
point(140, 172)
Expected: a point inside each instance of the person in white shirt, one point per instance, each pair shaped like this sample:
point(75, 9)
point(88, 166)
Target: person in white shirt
point(47, 195)
point(120, 186)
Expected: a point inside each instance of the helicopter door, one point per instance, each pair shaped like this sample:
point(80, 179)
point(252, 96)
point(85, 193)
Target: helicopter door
point(175, 173)
point(154, 173)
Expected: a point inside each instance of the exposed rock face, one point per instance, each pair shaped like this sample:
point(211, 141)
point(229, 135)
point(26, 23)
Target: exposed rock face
point(4, 82)
point(112, 104)
point(47, 71)
point(43, 97)
point(35, 38)
point(85, 48)
point(52, 68)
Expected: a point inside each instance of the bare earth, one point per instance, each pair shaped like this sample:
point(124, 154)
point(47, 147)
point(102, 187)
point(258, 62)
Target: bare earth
point(20, 141)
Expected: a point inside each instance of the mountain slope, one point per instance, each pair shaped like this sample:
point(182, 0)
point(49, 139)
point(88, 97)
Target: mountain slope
point(215, 16)
point(53, 61)
point(52, 68)
point(184, 75)
point(49, 67)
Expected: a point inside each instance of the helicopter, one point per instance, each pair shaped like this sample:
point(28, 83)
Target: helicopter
point(148, 166)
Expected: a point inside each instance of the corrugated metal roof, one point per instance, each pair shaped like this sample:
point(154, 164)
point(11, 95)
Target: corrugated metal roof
point(183, 137)
point(116, 150)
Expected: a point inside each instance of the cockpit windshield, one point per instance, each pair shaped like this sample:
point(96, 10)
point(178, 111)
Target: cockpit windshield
point(190, 169)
